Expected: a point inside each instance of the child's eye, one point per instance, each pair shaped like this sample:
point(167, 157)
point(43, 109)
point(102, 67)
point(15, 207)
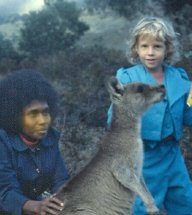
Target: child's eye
point(158, 46)
point(144, 46)
point(32, 114)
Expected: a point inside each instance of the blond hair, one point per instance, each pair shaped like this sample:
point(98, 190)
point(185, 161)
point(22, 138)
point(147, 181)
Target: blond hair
point(156, 28)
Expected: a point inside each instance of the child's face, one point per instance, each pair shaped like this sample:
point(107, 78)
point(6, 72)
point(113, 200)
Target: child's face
point(36, 120)
point(151, 53)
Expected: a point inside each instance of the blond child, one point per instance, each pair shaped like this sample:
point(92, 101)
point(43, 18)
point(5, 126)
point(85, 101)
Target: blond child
point(153, 47)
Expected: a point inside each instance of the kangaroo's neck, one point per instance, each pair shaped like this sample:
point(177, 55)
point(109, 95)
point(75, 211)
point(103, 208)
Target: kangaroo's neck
point(125, 130)
point(123, 120)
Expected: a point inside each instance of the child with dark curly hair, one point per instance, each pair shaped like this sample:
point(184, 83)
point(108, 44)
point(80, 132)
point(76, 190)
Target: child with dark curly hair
point(30, 160)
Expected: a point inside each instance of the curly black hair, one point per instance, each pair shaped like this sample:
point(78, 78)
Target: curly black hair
point(17, 90)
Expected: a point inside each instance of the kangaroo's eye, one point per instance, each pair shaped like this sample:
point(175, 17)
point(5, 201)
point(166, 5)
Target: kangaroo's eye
point(140, 89)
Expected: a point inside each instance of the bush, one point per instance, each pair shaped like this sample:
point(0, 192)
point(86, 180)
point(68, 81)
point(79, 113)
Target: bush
point(54, 28)
point(6, 48)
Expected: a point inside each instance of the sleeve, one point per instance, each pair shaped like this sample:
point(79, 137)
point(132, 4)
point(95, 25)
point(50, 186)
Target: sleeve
point(183, 74)
point(11, 198)
point(123, 76)
point(61, 174)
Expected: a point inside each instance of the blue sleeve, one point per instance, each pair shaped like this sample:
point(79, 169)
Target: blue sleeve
point(123, 76)
point(61, 174)
point(11, 197)
point(183, 74)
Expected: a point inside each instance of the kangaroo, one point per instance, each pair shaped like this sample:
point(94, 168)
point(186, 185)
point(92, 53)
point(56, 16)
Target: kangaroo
point(108, 184)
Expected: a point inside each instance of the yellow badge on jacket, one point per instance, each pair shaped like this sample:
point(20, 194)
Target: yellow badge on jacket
point(189, 99)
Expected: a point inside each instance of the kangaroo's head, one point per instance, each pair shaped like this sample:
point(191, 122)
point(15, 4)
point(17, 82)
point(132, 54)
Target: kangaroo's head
point(134, 97)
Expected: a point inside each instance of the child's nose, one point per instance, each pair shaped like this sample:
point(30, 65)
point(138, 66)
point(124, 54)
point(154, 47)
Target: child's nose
point(150, 50)
point(41, 119)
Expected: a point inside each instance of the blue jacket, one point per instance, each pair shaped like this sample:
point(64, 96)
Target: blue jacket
point(177, 87)
point(25, 173)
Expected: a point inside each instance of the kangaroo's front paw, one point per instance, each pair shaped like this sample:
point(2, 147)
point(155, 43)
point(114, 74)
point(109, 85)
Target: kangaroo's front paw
point(153, 210)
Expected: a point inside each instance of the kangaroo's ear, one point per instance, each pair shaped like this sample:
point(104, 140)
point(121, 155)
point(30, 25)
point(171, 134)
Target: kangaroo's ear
point(115, 89)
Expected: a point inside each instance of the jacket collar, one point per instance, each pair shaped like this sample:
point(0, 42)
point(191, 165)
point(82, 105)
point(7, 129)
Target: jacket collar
point(51, 138)
point(176, 82)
